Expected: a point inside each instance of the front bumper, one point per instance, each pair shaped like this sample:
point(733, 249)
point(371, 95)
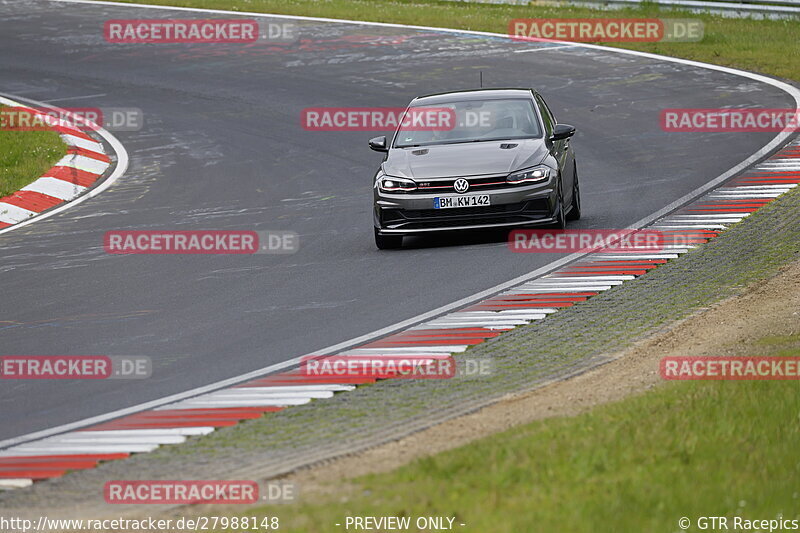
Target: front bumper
point(408, 214)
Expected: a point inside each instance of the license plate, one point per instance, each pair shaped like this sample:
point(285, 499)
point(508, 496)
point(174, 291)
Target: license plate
point(474, 200)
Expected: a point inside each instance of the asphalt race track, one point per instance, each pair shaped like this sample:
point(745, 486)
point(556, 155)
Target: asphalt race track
point(223, 148)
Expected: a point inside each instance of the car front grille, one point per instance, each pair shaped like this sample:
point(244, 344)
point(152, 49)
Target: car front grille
point(475, 185)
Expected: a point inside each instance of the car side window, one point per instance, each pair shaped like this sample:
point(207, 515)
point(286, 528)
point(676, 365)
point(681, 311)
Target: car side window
point(547, 116)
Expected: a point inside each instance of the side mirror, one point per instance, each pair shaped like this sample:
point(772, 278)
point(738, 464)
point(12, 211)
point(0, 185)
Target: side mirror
point(562, 131)
point(378, 144)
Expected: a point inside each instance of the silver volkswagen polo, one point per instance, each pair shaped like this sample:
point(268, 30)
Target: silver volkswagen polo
point(487, 158)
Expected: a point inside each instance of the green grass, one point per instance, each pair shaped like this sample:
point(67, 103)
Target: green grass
point(25, 156)
point(690, 449)
point(767, 46)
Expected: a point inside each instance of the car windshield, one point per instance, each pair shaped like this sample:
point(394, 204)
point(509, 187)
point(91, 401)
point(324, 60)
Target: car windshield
point(468, 121)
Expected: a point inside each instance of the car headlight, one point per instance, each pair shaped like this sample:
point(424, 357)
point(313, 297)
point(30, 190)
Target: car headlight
point(393, 184)
point(531, 175)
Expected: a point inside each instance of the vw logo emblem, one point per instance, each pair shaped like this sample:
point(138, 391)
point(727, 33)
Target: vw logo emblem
point(461, 185)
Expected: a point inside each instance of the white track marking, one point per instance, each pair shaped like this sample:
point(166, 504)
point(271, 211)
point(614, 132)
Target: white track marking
point(56, 188)
point(407, 350)
point(506, 312)
point(702, 220)
point(506, 321)
point(719, 216)
point(522, 307)
point(494, 315)
point(729, 220)
point(690, 226)
point(710, 216)
point(302, 388)
point(11, 214)
point(757, 187)
point(429, 326)
point(749, 196)
point(569, 282)
point(224, 395)
point(731, 192)
point(565, 288)
point(790, 161)
point(15, 483)
point(384, 354)
point(471, 323)
point(591, 279)
point(716, 220)
point(755, 194)
point(782, 167)
point(247, 393)
point(80, 142)
point(74, 438)
point(81, 162)
point(764, 150)
point(633, 257)
point(181, 431)
point(76, 449)
point(20, 452)
point(776, 191)
point(232, 402)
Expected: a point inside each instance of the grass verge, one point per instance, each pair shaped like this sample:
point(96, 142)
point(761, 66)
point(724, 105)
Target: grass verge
point(688, 450)
point(766, 46)
point(25, 156)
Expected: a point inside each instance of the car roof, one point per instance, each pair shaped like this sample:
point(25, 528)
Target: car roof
point(473, 94)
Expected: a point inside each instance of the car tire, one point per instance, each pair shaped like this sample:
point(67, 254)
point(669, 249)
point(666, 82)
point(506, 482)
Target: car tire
point(387, 242)
point(575, 207)
point(560, 219)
